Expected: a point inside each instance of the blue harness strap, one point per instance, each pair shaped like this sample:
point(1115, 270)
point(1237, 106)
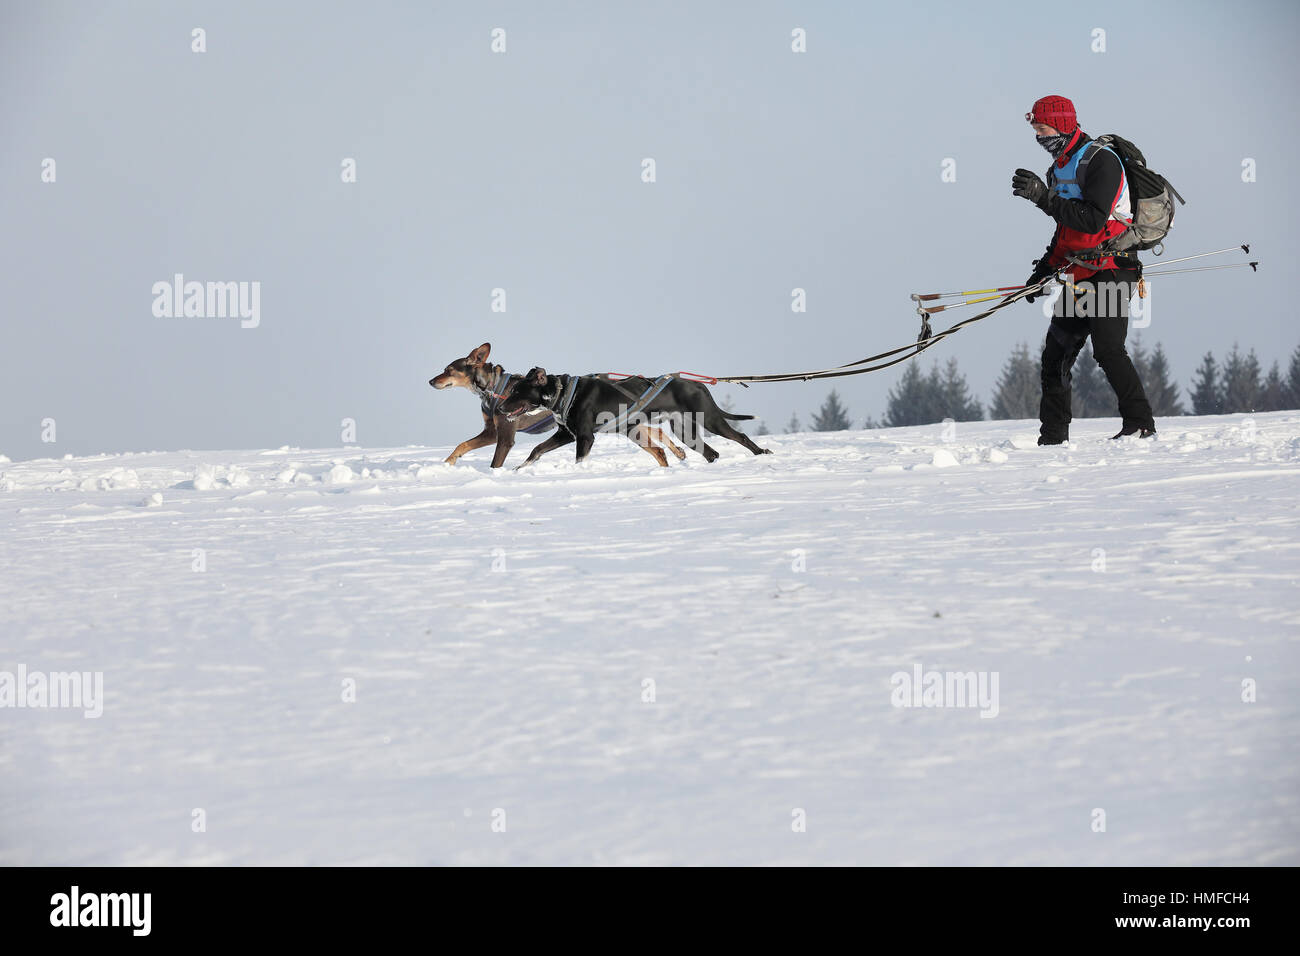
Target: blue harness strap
point(545, 425)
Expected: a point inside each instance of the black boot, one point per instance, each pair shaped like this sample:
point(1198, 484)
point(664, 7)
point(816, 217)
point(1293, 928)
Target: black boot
point(1052, 440)
point(1138, 430)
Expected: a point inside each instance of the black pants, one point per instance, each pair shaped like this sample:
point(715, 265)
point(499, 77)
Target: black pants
point(1099, 309)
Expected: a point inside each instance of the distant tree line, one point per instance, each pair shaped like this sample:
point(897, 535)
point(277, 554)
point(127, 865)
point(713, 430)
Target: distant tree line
point(1236, 385)
point(918, 398)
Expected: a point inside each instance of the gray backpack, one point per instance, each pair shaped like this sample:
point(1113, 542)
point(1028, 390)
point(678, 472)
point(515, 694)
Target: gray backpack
point(1152, 197)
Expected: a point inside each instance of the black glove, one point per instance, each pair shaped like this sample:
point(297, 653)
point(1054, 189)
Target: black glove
point(1027, 184)
point(1041, 271)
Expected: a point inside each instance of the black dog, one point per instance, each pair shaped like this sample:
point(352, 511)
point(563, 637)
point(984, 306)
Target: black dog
point(489, 382)
point(586, 404)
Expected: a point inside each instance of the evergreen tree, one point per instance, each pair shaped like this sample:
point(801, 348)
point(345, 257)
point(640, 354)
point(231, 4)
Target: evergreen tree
point(1241, 383)
point(1019, 388)
point(907, 400)
point(1207, 390)
point(1292, 399)
point(1162, 393)
point(924, 399)
point(832, 416)
point(956, 400)
point(1272, 394)
point(1091, 396)
point(793, 424)
point(932, 404)
point(763, 429)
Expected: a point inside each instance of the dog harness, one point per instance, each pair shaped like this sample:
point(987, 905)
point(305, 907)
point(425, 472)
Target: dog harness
point(494, 390)
point(564, 399)
point(649, 395)
point(492, 401)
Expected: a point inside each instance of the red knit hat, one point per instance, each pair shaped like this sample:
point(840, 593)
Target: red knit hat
point(1056, 111)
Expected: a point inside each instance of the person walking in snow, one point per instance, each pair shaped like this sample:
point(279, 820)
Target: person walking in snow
point(1087, 195)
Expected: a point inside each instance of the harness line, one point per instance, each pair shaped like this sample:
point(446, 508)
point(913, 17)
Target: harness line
point(923, 342)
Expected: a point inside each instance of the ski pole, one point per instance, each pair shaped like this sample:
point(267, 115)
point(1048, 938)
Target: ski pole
point(935, 309)
point(1158, 264)
point(1244, 247)
point(918, 297)
point(1174, 272)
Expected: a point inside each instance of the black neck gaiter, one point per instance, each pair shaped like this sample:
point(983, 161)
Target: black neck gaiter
point(1054, 144)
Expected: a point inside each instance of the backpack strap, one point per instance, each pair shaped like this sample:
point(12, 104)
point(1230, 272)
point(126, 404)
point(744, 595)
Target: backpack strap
point(1091, 150)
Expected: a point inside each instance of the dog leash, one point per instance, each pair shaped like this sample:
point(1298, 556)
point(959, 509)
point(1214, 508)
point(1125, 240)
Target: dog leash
point(905, 352)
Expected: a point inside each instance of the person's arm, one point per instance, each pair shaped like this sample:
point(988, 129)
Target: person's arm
point(1101, 187)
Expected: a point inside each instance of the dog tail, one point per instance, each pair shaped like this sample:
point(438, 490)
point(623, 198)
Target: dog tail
point(737, 418)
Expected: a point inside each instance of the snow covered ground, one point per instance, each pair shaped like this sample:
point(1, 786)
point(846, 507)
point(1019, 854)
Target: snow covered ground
point(499, 632)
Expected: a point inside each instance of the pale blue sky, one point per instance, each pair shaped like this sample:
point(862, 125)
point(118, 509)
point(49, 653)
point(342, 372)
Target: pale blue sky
point(775, 170)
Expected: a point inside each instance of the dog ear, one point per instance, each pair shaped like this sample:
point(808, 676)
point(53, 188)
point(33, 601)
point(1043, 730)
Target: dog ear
point(479, 355)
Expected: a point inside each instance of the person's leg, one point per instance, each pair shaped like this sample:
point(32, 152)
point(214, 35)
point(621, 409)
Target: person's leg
point(1065, 337)
point(1109, 328)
